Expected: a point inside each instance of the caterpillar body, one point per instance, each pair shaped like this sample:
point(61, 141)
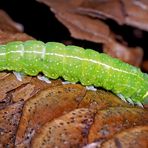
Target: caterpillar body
point(75, 64)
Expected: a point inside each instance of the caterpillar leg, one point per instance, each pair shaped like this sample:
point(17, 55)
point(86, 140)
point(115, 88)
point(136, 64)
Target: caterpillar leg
point(122, 97)
point(19, 76)
point(91, 88)
point(67, 82)
point(43, 78)
point(139, 104)
point(128, 100)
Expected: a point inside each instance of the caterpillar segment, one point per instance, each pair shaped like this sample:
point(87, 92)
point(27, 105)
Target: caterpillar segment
point(75, 64)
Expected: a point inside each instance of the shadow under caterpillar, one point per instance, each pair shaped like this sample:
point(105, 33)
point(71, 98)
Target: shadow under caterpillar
point(75, 64)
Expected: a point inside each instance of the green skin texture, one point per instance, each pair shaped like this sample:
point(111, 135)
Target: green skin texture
point(75, 64)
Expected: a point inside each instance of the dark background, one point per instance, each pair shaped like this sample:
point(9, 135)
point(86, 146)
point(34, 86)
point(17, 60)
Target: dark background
point(40, 22)
point(37, 19)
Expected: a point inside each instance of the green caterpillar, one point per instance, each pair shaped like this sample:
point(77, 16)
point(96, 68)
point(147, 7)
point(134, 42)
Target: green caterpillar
point(75, 65)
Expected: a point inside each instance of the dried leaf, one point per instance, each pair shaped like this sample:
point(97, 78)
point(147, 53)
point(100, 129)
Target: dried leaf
point(101, 99)
point(130, 55)
point(80, 27)
point(9, 82)
point(7, 24)
point(134, 13)
point(136, 137)
point(10, 30)
point(3, 75)
point(103, 9)
point(115, 119)
point(137, 13)
point(9, 120)
point(6, 37)
point(69, 130)
point(145, 65)
point(24, 92)
point(46, 106)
